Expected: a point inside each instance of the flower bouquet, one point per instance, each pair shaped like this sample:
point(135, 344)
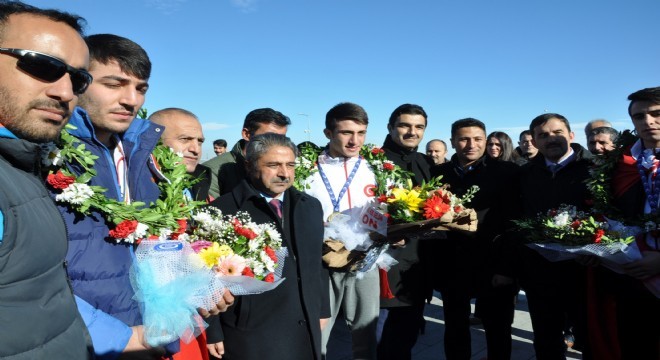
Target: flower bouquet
point(564, 233)
point(430, 206)
point(171, 284)
point(248, 257)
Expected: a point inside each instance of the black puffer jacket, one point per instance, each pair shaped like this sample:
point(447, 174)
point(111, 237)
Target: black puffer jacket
point(37, 310)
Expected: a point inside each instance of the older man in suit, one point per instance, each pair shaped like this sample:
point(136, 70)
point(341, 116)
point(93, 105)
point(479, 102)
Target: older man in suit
point(284, 322)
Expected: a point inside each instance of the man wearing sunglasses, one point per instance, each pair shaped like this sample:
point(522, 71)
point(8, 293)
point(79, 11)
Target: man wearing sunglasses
point(43, 62)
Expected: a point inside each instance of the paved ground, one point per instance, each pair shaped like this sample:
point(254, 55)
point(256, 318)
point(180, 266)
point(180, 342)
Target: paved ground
point(430, 345)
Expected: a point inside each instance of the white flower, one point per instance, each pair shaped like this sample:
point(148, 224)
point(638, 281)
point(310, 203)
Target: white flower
point(561, 219)
point(163, 234)
point(268, 262)
point(139, 233)
point(75, 193)
point(257, 268)
point(51, 155)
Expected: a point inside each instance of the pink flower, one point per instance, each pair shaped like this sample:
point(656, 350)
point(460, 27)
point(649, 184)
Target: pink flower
point(231, 265)
point(198, 246)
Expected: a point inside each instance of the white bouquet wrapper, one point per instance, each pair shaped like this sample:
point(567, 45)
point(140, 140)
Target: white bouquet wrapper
point(171, 283)
point(611, 256)
point(245, 285)
point(353, 228)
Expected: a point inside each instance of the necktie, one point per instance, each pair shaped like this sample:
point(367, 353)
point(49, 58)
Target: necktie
point(276, 204)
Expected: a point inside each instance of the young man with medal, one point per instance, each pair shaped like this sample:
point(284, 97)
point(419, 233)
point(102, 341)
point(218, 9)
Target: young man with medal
point(343, 184)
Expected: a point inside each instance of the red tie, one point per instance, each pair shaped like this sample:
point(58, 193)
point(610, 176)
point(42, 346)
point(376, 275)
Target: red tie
point(277, 206)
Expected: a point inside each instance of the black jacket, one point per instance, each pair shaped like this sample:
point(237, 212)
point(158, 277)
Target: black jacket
point(200, 190)
point(283, 322)
point(38, 312)
point(541, 190)
point(407, 279)
point(467, 259)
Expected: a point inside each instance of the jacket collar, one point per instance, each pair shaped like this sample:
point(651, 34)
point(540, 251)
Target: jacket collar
point(581, 154)
point(394, 147)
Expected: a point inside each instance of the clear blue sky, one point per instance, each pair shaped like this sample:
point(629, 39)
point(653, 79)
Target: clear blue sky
point(503, 62)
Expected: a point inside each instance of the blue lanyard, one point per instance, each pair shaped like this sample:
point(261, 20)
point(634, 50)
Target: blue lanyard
point(335, 201)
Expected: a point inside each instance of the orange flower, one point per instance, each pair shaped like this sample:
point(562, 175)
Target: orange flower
point(434, 207)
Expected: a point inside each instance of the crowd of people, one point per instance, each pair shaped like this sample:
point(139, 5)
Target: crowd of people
point(65, 287)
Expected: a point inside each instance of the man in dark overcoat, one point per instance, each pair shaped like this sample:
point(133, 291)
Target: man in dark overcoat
point(284, 323)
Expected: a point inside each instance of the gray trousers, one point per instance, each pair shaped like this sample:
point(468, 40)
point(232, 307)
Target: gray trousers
point(359, 301)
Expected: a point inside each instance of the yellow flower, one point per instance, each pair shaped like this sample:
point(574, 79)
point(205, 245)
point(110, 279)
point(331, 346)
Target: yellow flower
point(211, 254)
point(409, 197)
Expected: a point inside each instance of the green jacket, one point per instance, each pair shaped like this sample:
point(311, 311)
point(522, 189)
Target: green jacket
point(227, 170)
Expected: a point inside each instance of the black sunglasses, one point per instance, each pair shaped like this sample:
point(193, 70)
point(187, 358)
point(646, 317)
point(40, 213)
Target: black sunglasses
point(49, 68)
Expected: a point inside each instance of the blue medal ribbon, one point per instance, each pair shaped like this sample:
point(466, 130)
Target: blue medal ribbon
point(326, 181)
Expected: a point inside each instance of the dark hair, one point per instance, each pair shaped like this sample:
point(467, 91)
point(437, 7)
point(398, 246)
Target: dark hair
point(8, 8)
point(345, 111)
point(467, 122)
point(220, 142)
point(260, 144)
point(264, 116)
point(407, 109)
point(506, 146)
point(651, 95)
point(523, 133)
point(131, 57)
point(544, 118)
point(604, 130)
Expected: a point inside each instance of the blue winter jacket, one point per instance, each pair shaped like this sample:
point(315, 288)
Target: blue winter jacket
point(99, 267)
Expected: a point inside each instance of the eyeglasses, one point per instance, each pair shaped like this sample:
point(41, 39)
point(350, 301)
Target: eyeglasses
point(49, 68)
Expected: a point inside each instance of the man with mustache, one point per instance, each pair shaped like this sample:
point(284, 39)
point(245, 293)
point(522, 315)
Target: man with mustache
point(403, 308)
point(283, 323)
point(43, 71)
point(99, 267)
point(183, 133)
point(465, 262)
point(554, 289)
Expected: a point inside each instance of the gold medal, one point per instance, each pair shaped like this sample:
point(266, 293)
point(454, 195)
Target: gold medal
point(333, 215)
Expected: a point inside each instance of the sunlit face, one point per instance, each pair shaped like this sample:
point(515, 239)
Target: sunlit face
point(494, 147)
point(408, 130)
point(553, 139)
point(113, 99)
point(273, 172)
point(183, 133)
point(219, 150)
point(437, 151)
point(346, 139)
point(31, 108)
point(469, 143)
point(527, 146)
point(599, 144)
point(646, 119)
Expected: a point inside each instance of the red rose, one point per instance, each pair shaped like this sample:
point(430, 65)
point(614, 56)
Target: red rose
point(59, 180)
point(269, 278)
point(271, 253)
point(183, 225)
point(388, 166)
point(123, 229)
point(575, 224)
point(598, 235)
point(247, 272)
point(242, 231)
point(382, 198)
point(375, 151)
